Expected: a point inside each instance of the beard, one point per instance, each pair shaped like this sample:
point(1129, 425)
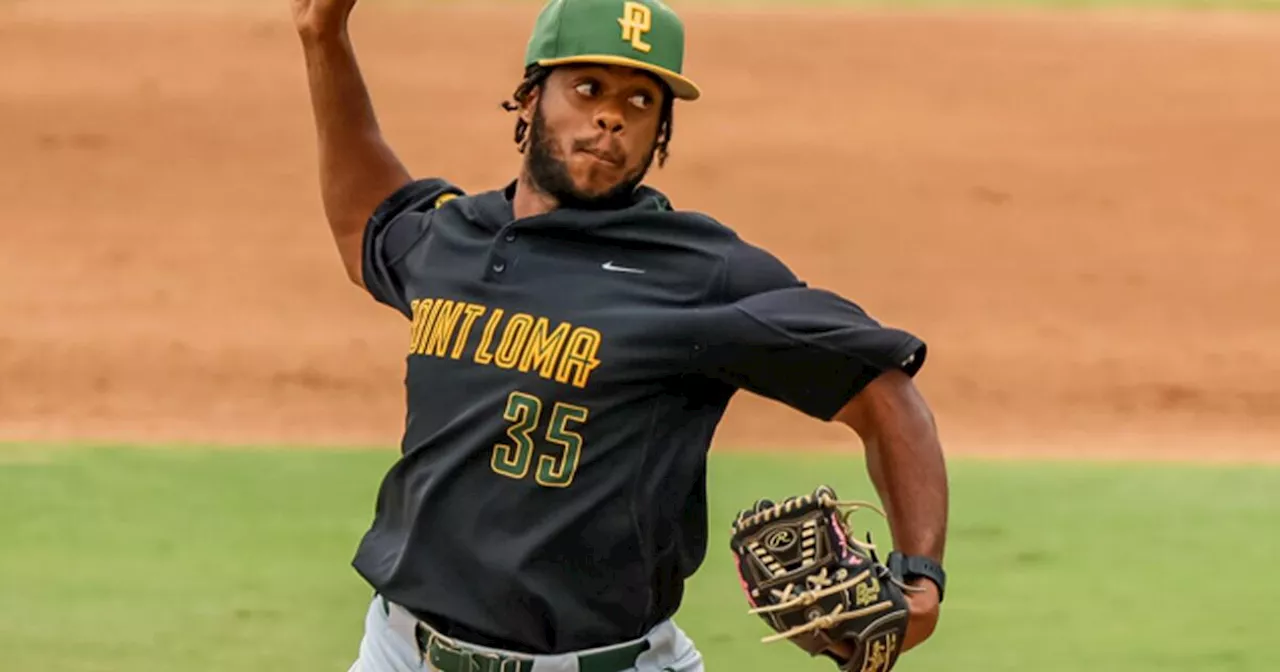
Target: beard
point(549, 172)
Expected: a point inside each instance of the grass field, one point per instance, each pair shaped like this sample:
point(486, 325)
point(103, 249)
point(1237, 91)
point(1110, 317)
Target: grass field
point(148, 560)
point(130, 559)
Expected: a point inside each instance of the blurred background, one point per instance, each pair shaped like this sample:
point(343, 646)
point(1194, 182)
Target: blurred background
point(1076, 210)
point(1074, 203)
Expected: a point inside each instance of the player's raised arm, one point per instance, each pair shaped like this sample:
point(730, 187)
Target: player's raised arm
point(358, 170)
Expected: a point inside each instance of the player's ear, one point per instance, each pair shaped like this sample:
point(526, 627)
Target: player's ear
point(530, 104)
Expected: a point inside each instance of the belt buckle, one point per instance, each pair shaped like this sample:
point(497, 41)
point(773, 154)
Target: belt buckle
point(474, 658)
point(437, 641)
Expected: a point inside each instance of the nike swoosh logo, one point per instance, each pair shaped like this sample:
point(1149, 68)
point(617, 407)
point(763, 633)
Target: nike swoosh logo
point(610, 266)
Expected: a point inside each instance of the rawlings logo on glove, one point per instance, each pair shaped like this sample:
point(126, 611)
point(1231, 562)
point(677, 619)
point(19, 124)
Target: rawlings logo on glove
point(806, 575)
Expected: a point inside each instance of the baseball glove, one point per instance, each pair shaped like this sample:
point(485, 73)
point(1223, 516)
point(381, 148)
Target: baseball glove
point(813, 583)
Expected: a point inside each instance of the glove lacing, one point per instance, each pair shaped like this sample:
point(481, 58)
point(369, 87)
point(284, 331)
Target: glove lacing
point(844, 509)
point(824, 622)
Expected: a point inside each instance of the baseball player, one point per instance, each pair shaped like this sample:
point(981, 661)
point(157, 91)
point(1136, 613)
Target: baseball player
point(573, 342)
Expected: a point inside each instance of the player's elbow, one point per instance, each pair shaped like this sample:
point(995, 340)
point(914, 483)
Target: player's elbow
point(355, 274)
point(350, 249)
point(889, 404)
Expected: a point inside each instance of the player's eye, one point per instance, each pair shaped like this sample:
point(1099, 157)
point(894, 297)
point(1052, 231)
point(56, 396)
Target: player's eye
point(642, 101)
point(588, 88)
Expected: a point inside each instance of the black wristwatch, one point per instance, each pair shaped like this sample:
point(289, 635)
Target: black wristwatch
point(916, 566)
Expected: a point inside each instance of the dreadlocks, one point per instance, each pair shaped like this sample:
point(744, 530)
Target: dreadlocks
point(536, 75)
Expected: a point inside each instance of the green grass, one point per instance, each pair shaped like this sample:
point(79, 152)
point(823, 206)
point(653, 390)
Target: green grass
point(147, 560)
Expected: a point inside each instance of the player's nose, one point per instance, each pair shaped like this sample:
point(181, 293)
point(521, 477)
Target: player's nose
point(609, 120)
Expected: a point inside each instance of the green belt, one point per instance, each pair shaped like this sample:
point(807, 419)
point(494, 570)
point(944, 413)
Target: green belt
point(448, 658)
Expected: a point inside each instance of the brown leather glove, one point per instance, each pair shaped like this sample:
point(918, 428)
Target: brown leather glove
point(816, 585)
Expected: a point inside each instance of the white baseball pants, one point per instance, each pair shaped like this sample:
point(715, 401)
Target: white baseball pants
point(389, 645)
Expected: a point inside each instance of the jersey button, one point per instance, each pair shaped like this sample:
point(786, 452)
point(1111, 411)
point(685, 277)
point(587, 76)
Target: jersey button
point(499, 267)
point(511, 238)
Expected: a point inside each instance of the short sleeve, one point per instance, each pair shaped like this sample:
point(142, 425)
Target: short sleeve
point(397, 225)
point(807, 348)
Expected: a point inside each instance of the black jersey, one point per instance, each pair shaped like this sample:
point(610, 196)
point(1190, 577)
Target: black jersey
point(565, 375)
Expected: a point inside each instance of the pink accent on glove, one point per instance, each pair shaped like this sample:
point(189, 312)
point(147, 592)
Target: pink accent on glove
point(737, 562)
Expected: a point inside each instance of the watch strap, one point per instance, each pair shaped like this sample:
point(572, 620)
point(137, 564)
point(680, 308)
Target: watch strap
point(916, 566)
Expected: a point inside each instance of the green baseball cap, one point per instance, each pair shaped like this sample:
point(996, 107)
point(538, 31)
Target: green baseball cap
point(643, 34)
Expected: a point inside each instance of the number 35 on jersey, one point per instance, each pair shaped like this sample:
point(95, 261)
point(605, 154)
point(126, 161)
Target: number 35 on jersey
point(525, 413)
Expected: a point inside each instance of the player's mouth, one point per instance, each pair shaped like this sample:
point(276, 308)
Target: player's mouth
point(604, 156)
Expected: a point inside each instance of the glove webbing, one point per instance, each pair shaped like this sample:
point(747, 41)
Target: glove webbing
point(844, 509)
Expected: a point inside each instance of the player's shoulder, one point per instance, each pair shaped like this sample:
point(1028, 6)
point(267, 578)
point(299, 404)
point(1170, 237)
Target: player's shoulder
point(694, 224)
point(418, 196)
point(746, 267)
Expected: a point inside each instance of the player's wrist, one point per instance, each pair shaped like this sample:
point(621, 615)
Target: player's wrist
point(324, 37)
point(916, 570)
point(925, 587)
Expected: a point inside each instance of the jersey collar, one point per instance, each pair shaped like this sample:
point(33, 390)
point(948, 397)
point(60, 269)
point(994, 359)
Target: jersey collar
point(496, 211)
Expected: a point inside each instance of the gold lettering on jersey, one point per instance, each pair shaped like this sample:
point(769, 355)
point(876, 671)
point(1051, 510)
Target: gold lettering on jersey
point(428, 322)
point(483, 356)
point(544, 348)
point(637, 19)
point(473, 311)
point(559, 351)
point(415, 309)
point(514, 338)
point(442, 329)
point(580, 357)
point(421, 308)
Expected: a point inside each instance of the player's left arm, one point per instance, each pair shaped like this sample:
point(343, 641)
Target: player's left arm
point(905, 461)
point(822, 354)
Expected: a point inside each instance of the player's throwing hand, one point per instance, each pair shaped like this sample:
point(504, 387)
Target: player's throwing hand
point(320, 18)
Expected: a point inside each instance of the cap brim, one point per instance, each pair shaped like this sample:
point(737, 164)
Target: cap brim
point(681, 86)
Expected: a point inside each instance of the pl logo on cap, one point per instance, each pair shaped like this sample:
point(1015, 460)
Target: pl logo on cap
point(636, 20)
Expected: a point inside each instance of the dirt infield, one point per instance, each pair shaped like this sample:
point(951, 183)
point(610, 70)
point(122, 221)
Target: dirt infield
point(1079, 214)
